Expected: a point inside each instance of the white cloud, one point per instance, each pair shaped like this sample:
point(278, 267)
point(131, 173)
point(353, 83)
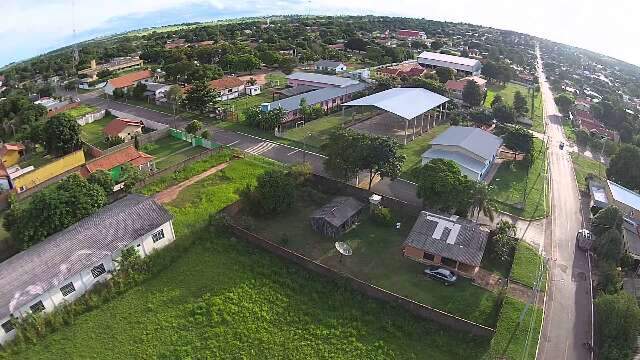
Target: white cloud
point(608, 28)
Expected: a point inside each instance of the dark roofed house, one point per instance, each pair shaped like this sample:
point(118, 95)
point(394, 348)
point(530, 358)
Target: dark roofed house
point(454, 242)
point(331, 66)
point(68, 263)
point(336, 217)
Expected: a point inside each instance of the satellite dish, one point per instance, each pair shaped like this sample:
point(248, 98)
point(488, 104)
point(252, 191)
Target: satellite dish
point(343, 248)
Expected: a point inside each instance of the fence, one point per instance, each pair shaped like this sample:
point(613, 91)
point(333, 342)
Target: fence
point(89, 118)
point(372, 291)
point(193, 139)
point(179, 166)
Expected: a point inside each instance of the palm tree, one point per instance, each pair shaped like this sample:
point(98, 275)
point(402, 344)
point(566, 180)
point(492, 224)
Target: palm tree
point(481, 201)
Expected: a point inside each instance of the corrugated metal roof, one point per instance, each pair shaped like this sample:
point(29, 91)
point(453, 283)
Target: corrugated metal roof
point(472, 139)
point(328, 63)
point(316, 97)
point(322, 79)
point(448, 58)
point(32, 272)
point(460, 159)
point(624, 195)
point(404, 102)
point(338, 210)
point(465, 244)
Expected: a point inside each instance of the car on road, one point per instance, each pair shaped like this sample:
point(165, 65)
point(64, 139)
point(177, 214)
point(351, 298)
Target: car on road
point(584, 238)
point(446, 276)
point(561, 145)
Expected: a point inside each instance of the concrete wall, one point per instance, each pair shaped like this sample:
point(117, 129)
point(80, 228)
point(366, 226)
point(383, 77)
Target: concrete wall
point(49, 171)
point(84, 280)
point(89, 118)
point(417, 309)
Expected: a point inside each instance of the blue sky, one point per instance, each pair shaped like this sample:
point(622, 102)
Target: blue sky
point(32, 27)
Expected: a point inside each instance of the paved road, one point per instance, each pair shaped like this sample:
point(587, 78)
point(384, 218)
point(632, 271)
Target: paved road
point(567, 321)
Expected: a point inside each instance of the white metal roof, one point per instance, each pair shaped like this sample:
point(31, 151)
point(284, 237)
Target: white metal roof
point(404, 102)
point(448, 58)
point(624, 195)
point(477, 141)
point(322, 79)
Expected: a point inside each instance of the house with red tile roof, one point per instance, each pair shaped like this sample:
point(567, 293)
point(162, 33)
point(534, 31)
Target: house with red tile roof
point(127, 80)
point(411, 35)
point(10, 153)
point(126, 129)
point(113, 162)
point(229, 87)
point(456, 87)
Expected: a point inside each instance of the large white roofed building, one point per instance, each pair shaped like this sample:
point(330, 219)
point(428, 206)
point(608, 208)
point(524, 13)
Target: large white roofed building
point(458, 63)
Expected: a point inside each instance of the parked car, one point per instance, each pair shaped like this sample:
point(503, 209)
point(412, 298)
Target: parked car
point(584, 239)
point(561, 145)
point(446, 276)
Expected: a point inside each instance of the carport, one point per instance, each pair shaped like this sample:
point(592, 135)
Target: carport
point(408, 104)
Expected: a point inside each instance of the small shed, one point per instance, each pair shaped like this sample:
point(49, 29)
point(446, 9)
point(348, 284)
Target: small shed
point(336, 217)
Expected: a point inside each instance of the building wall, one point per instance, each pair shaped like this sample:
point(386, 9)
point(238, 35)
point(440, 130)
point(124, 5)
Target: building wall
point(129, 132)
point(473, 70)
point(417, 255)
point(48, 171)
point(84, 280)
point(11, 158)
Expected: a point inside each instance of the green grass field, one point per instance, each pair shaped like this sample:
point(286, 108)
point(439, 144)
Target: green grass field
point(279, 78)
point(583, 166)
point(81, 111)
point(377, 258)
point(520, 190)
point(224, 299)
point(507, 91)
point(414, 150)
point(92, 133)
point(569, 131)
point(169, 151)
point(525, 340)
point(241, 103)
point(316, 132)
point(526, 265)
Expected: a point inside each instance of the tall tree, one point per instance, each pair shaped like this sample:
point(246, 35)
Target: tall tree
point(565, 102)
point(520, 104)
point(200, 97)
point(193, 127)
point(342, 161)
point(139, 90)
point(445, 74)
point(273, 193)
point(442, 186)
point(103, 179)
point(62, 135)
point(503, 113)
point(130, 176)
point(380, 156)
point(472, 94)
point(623, 167)
point(618, 326)
point(609, 218)
point(481, 200)
point(518, 139)
point(497, 99)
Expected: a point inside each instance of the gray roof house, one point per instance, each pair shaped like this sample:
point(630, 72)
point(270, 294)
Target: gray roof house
point(337, 216)
point(451, 241)
point(331, 65)
point(472, 149)
point(68, 263)
point(319, 80)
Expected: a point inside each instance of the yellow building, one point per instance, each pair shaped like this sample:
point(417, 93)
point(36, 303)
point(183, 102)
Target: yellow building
point(10, 154)
point(30, 179)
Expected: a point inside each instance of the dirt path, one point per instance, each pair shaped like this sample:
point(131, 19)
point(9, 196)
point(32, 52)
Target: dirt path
point(171, 193)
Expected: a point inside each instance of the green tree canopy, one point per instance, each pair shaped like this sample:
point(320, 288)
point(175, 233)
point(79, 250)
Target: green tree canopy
point(342, 161)
point(518, 139)
point(200, 97)
point(130, 176)
point(103, 179)
point(380, 156)
point(445, 74)
point(273, 193)
point(623, 167)
point(520, 104)
point(472, 94)
point(442, 186)
point(61, 135)
point(607, 219)
point(565, 102)
point(618, 325)
point(193, 127)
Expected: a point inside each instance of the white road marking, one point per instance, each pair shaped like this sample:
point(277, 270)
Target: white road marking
point(293, 152)
point(233, 143)
point(261, 148)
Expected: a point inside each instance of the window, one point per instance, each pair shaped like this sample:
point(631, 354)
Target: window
point(158, 235)
point(37, 307)
point(98, 270)
point(428, 256)
point(67, 289)
point(7, 326)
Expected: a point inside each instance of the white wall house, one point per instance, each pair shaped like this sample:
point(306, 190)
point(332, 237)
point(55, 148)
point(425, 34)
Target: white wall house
point(252, 90)
point(460, 64)
point(229, 87)
point(473, 150)
point(65, 265)
point(331, 66)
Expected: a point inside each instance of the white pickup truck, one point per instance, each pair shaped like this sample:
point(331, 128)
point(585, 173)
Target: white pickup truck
point(584, 238)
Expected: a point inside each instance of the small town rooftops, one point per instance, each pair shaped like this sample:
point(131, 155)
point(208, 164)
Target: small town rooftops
point(117, 125)
point(130, 78)
point(128, 154)
point(623, 195)
point(316, 97)
point(475, 140)
point(6, 147)
point(322, 79)
point(30, 273)
point(338, 210)
point(296, 90)
point(227, 82)
point(404, 102)
point(451, 237)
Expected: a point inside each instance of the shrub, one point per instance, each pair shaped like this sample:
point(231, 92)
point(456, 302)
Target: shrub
point(274, 193)
point(618, 324)
point(383, 216)
point(300, 172)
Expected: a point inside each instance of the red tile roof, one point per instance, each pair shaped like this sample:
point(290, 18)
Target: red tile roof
point(412, 72)
point(455, 85)
point(388, 71)
point(130, 78)
point(226, 82)
point(128, 154)
point(117, 125)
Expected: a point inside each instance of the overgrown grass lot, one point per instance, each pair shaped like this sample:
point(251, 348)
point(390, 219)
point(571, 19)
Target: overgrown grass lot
point(414, 150)
point(583, 166)
point(519, 189)
point(525, 340)
point(569, 131)
point(241, 103)
point(92, 133)
point(526, 265)
point(224, 299)
point(169, 151)
point(507, 91)
point(315, 133)
point(377, 258)
point(81, 111)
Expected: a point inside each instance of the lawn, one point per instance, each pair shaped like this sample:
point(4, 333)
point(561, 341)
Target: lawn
point(279, 78)
point(81, 111)
point(507, 91)
point(414, 150)
point(92, 133)
point(526, 265)
point(377, 258)
point(224, 299)
point(583, 166)
point(525, 340)
point(169, 151)
point(519, 190)
point(244, 102)
point(316, 132)
point(569, 131)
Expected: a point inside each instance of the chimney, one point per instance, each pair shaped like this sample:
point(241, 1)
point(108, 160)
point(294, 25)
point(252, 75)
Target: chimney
point(93, 64)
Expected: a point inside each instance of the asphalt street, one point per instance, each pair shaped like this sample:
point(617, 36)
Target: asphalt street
point(568, 309)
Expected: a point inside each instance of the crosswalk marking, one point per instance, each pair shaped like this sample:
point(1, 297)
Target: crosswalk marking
point(261, 148)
